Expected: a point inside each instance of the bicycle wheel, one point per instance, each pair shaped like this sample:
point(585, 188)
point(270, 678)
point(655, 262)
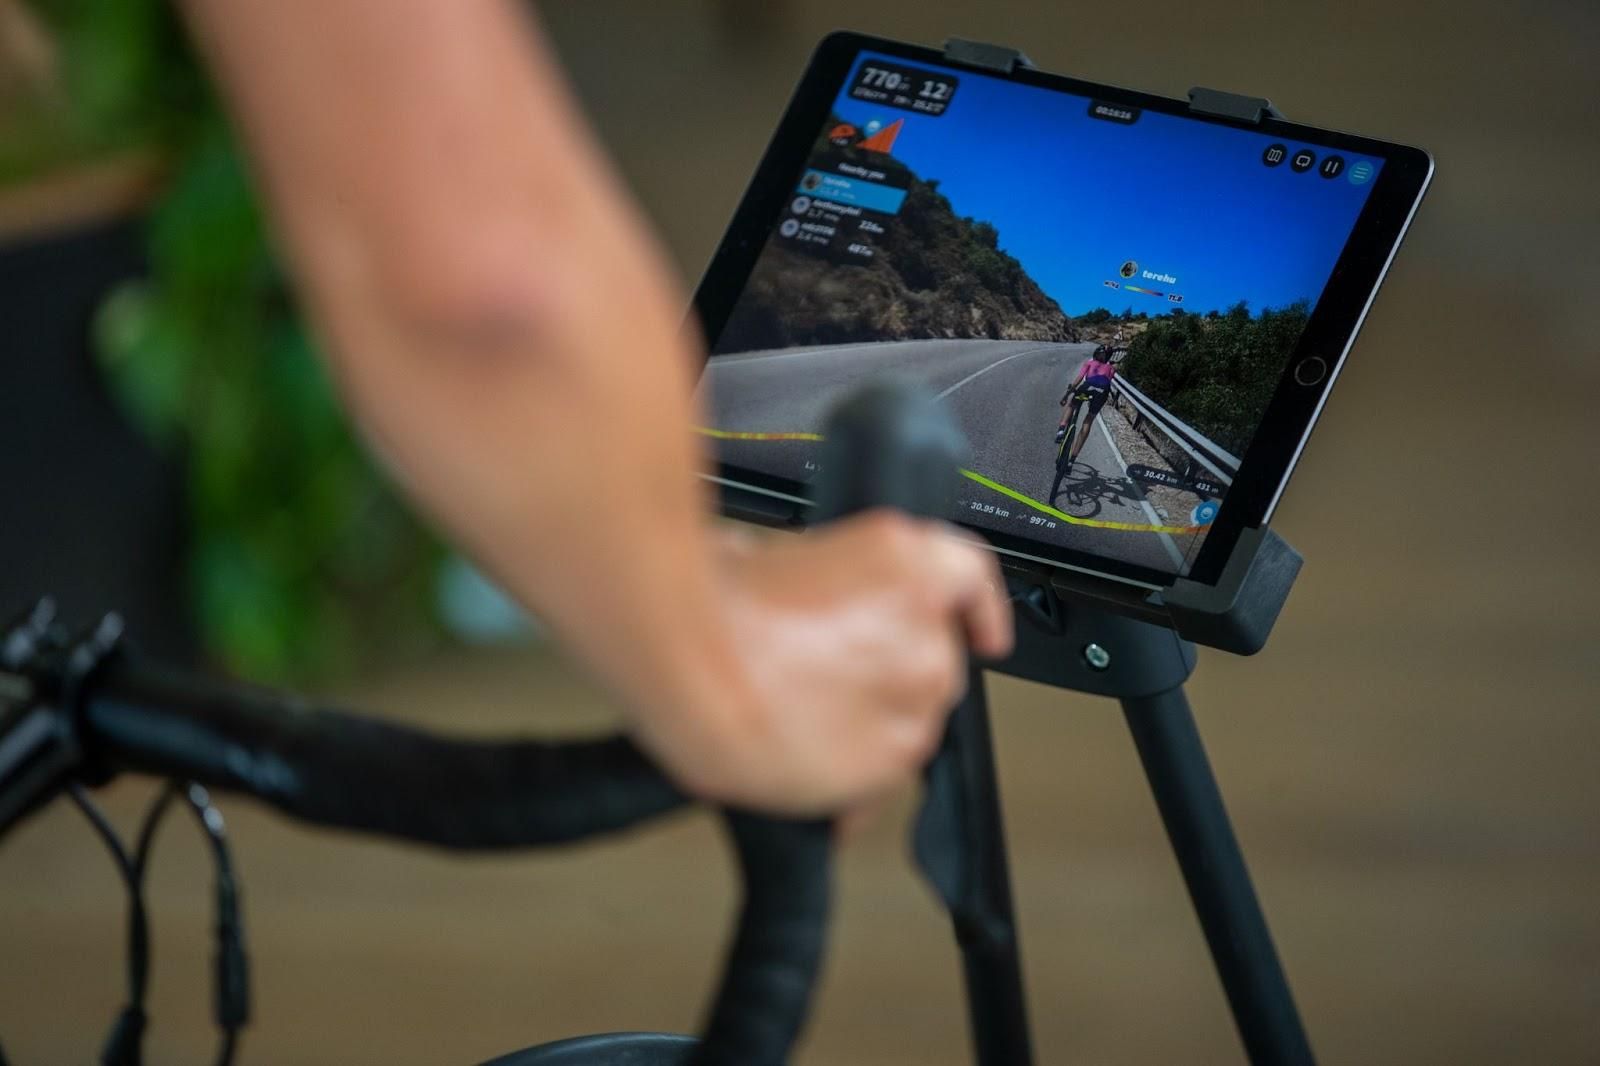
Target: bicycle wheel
point(610, 1049)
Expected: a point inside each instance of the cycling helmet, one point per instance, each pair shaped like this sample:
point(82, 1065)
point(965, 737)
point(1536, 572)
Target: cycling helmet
point(1101, 354)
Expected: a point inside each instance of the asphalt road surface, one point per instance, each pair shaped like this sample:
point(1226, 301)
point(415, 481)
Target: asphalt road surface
point(1005, 395)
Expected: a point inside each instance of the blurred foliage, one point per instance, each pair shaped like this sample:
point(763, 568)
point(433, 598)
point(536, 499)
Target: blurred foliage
point(121, 80)
point(303, 562)
point(1216, 372)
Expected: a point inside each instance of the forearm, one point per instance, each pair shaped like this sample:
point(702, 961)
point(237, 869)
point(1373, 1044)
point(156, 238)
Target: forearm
point(559, 456)
point(498, 319)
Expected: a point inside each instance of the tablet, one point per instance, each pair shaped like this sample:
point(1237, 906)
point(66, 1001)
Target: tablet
point(1178, 289)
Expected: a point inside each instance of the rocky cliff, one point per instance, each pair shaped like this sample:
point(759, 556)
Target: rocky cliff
point(935, 274)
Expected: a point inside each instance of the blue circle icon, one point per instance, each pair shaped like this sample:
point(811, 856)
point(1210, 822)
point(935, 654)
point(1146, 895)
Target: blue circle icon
point(1360, 172)
point(1203, 514)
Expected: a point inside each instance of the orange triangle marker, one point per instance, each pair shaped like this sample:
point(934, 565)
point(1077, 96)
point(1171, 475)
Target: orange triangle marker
point(883, 140)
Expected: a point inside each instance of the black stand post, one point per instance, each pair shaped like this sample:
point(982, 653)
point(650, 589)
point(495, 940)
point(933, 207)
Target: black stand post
point(1072, 643)
point(961, 845)
point(1219, 883)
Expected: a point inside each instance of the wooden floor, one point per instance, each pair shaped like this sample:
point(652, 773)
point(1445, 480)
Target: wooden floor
point(1412, 764)
point(1420, 820)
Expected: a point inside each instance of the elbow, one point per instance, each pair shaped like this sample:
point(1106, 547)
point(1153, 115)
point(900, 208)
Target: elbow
point(463, 292)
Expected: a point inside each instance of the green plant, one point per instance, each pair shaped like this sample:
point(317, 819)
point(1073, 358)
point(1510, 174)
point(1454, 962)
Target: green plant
point(303, 561)
point(122, 81)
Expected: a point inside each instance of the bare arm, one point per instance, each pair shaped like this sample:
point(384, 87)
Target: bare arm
point(508, 335)
point(482, 301)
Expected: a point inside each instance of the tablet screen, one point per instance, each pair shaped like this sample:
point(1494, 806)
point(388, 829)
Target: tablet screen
point(1039, 260)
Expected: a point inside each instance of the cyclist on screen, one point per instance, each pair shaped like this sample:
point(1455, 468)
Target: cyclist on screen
point(1091, 386)
point(462, 244)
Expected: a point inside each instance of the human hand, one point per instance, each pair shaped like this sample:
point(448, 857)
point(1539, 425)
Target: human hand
point(840, 654)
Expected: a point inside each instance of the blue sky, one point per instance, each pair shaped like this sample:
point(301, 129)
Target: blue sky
point(1074, 197)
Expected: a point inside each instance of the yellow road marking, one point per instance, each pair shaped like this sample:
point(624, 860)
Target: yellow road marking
point(734, 434)
point(972, 475)
point(1093, 523)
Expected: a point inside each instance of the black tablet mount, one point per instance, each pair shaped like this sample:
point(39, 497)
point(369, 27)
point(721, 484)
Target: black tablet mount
point(1076, 636)
point(1202, 101)
point(1093, 635)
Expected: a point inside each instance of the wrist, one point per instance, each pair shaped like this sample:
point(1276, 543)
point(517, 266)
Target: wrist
point(689, 708)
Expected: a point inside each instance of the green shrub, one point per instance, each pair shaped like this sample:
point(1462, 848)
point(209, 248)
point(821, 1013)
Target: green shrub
point(1216, 372)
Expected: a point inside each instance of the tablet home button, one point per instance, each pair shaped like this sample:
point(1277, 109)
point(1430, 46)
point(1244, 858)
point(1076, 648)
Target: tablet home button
point(1311, 371)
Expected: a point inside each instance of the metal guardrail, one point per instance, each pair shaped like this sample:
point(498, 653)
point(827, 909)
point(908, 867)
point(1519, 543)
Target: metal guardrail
point(1221, 463)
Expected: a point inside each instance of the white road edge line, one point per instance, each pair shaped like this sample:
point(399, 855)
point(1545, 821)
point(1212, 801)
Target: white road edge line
point(766, 355)
point(997, 362)
point(1150, 512)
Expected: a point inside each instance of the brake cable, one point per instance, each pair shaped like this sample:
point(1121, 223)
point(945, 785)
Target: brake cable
point(230, 963)
point(122, 1047)
point(231, 991)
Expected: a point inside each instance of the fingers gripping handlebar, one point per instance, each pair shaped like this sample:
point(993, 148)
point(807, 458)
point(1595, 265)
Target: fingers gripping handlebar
point(88, 709)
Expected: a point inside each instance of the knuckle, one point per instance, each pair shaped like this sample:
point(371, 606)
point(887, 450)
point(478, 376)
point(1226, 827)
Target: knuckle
point(955, 680)
point(910, 746)
point(705, 783)
point(924, 740)
point(918, 689)
point(894, 533)
point(925, 597)
point(940, 681)
point(930, 692)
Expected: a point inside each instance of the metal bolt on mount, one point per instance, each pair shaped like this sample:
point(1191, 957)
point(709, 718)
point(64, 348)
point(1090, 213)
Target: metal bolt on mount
point(1096, 656)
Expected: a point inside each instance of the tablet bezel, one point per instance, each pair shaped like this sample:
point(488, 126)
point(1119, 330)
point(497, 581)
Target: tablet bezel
point(1291, 414)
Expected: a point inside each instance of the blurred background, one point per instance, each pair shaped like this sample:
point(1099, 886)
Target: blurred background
point(1413, 764)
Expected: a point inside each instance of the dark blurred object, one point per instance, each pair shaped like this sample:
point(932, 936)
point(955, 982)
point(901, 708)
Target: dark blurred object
point(92, 514)
point(640, 1049)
